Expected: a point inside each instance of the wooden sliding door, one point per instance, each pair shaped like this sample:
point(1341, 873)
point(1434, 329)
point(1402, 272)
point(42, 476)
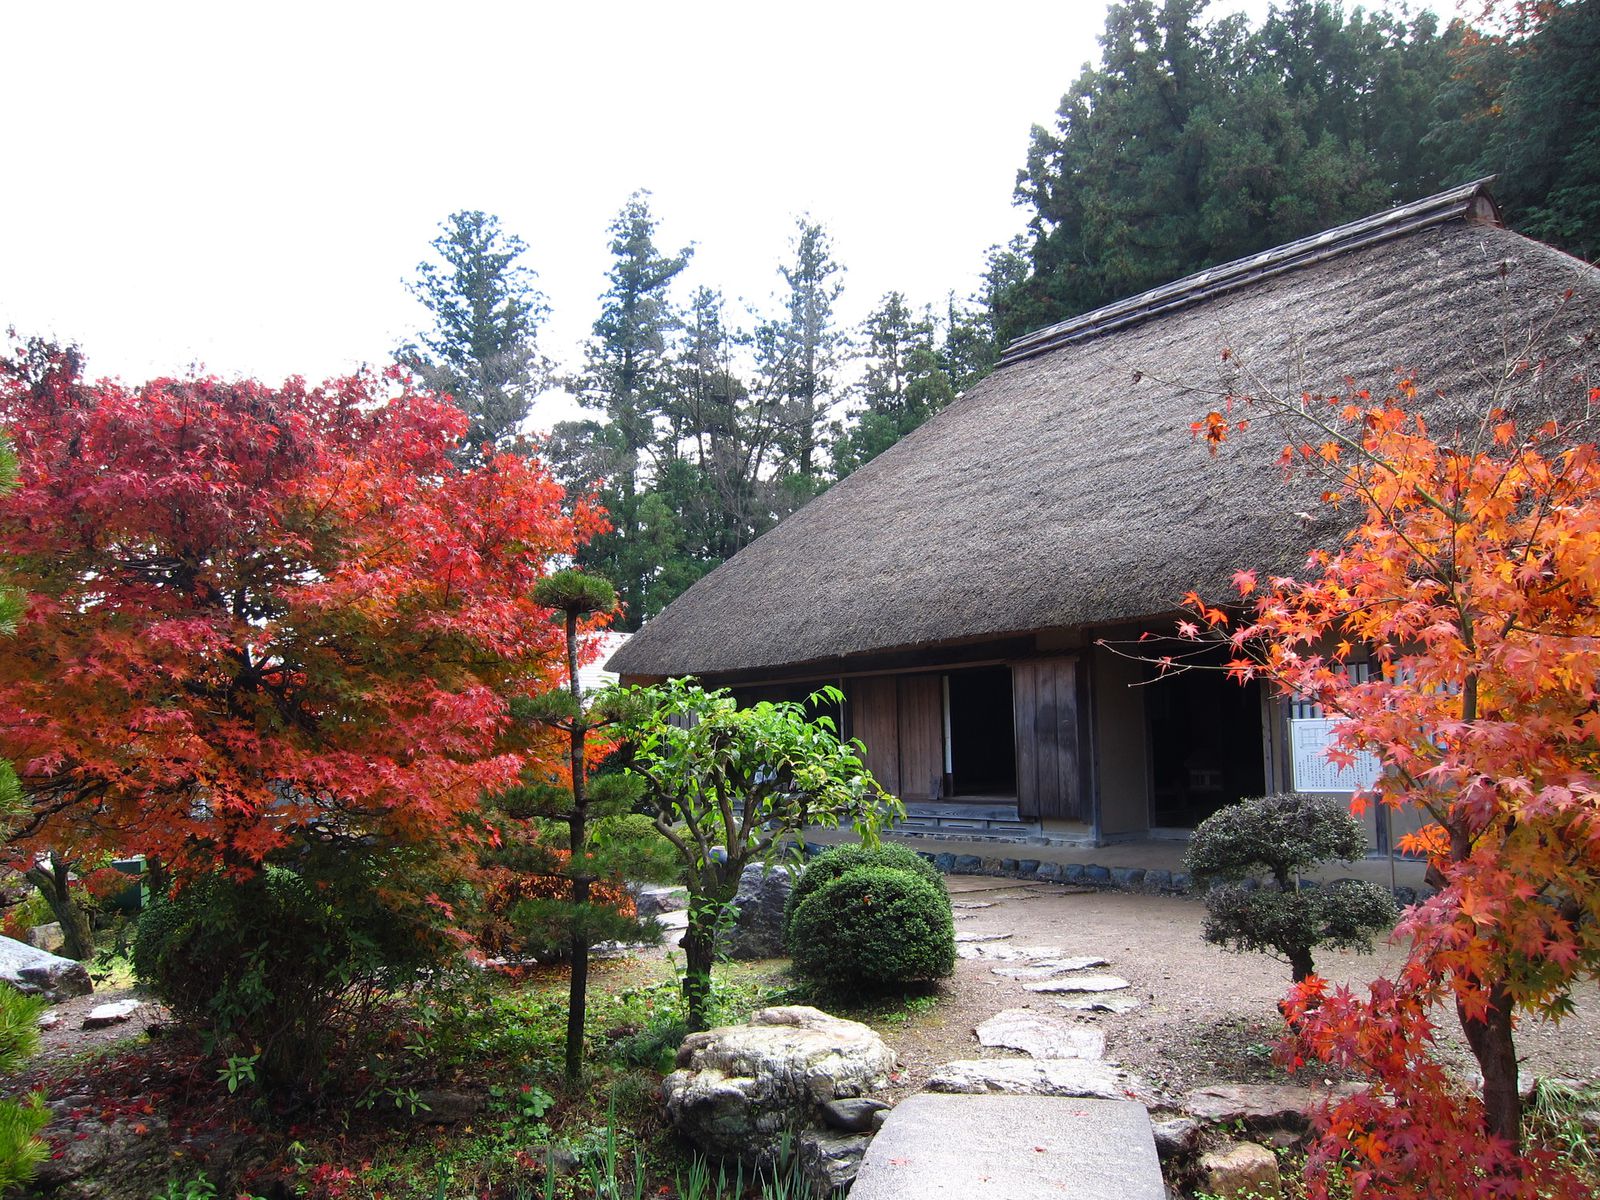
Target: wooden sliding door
point(1048, 707)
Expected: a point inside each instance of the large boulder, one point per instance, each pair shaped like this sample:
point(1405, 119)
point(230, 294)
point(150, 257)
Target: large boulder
point(36, 972)
point(741, 1088)
point(763, 894)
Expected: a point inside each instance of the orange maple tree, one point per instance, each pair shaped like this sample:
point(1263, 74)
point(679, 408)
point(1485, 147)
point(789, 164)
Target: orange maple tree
point(1471, 585)
point(258, 616)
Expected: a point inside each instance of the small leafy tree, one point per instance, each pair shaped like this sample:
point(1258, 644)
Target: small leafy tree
point(728, 786)
point(1471, 579)
point(1285, 835)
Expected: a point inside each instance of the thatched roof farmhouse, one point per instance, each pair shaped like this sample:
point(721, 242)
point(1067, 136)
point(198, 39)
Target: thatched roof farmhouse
point(956, 586)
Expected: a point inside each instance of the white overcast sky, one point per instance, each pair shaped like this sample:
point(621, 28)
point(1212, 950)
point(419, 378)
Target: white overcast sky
point(245, 187)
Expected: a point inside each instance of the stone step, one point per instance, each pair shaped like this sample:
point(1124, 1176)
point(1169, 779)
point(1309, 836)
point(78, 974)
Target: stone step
point(1012, 1147)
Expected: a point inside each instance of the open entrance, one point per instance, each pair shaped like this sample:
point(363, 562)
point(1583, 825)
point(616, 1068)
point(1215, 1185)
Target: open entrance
point(1205, 745)
point(982, 741)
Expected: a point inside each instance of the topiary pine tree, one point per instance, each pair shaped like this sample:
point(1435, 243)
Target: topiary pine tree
point(1286, 834)
point(583, 915)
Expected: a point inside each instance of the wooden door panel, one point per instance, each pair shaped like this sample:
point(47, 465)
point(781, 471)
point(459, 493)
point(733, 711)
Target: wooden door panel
point(921, 737)
point(1049, 770)
point(874, 718)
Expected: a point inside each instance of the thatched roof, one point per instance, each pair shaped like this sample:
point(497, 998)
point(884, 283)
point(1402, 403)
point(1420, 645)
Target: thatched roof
point(1066, 489)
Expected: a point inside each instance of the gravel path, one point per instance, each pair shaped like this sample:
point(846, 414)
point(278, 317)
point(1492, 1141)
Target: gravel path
point(1204, 1015)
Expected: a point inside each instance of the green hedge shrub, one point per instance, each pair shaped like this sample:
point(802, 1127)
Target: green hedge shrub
point(831, 864)
point(873, 929)
point(275, 968)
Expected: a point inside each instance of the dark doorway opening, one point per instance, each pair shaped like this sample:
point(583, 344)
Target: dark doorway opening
point(983, 751)
point(1205, 745)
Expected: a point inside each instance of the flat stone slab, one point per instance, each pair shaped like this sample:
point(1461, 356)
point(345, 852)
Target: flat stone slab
point(1040, 1036)
point(1261, 1105)
point(1011, 1148)
point(982, 937)
point(1049, 967)
point(115, 1013)
point(1081, 1077)
point(1003, 953)
point(1080, 983)
point(972, 904)
point(1101, 1004)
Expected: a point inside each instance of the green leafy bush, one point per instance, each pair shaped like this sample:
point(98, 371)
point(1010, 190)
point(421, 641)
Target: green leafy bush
point(831, 864)
point(21, 1149)
point(276, 968)
point(1284, 835)
point(873, 929)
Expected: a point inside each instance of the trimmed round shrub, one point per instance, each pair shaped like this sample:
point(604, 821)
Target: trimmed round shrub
point(831, 864)
point(1282, 836)
point(873, 929)
point(276, 968)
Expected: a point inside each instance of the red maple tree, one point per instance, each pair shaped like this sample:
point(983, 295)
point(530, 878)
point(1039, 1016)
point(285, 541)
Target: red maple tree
point(257, 614)
point(1471, 584)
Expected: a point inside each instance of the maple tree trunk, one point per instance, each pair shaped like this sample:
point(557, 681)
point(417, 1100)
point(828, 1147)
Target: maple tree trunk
point(1492, 1045)
point(53, 879)
point(1300, 963)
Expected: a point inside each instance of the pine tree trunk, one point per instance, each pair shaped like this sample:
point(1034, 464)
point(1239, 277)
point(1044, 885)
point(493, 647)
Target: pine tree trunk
point(577, 993)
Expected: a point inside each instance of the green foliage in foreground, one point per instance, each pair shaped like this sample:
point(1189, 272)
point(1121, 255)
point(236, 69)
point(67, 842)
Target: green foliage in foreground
point(21, 1150)
point(275, 968)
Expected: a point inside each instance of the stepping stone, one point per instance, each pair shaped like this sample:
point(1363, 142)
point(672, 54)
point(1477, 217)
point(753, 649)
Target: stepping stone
point(1084, 1077)
point(1101, 1004)
point(675, 919)
point(1261, 1105)
point(982, 937)
point(959, 1147)
point(973, 904)
point(1080, 983)
point(49, 1019)
point(1051, 966)
point(114, 1013)
point(1039, 1036)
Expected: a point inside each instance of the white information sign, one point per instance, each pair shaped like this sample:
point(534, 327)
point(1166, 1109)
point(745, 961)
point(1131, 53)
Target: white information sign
point(1309, 740)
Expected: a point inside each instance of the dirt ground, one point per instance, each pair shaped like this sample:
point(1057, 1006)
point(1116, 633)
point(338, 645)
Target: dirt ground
point(67, 1037)
point(1206, 1015)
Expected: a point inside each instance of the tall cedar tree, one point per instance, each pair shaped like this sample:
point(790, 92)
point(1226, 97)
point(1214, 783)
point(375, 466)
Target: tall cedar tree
point(1546, 142)
point(260, 616)
point(629, 381)
point(482, 350)
point(903, 383)
point(800, 352)
point(1472, 580)
point(1194, 143)
point(727, 434)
